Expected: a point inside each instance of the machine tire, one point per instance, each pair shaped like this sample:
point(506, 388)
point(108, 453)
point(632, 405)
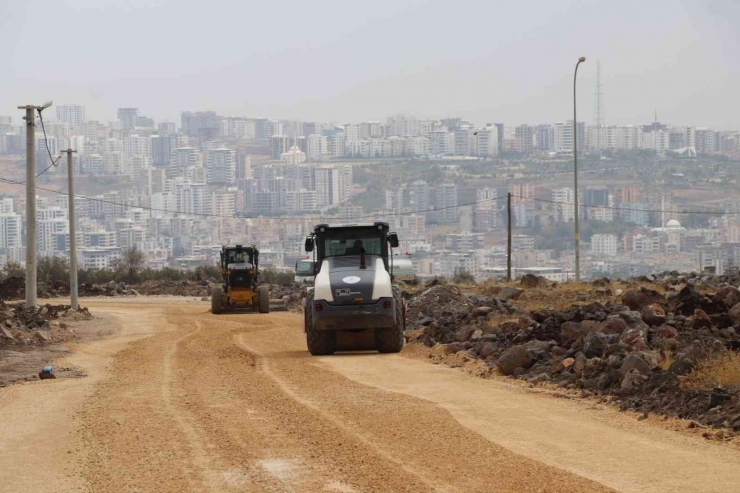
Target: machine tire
point(391, 340)
point(216, 301)
point(319, 342)
point(263, 299)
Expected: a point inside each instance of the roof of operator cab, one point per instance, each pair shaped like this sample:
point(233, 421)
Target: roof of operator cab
point(376, 224)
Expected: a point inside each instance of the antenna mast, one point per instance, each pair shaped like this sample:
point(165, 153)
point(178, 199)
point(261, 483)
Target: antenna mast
point(599, 118)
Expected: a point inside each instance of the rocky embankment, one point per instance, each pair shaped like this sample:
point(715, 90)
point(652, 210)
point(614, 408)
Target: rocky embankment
point(670, 347)
point(22, 327)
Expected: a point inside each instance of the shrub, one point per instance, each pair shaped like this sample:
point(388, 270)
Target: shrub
point(718, 371)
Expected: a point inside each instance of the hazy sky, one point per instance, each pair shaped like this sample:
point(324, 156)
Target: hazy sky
point(487, 60)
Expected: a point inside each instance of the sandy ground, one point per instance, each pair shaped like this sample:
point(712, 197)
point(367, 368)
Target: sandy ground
point(182, 400)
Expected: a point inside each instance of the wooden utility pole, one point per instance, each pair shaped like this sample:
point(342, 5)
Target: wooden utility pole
point(508, 237)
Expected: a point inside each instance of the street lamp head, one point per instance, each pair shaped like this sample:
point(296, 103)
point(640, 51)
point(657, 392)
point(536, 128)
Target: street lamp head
point(582, 59)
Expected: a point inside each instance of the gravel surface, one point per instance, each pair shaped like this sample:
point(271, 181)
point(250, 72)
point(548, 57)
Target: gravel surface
point(189, 401)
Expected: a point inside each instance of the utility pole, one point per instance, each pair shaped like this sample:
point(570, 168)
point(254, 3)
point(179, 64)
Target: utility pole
point(31, 200)
point(575, 173)
point(72, 237)
point(508, 240)
point(30, 205)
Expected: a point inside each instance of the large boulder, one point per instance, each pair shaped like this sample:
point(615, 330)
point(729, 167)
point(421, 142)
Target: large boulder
point(701, 320)
point(509, 293)
point(636, 299)
point(513, 358)
point(533, 281)
point(6, 334)
point(632, 381)
point(570, 331)
point(634, 361)
point(728, 296)
point(463, 333)
point(453, 348)
point(594, 344)
point(688, 299)
point(635, 335)
point(653, 314)
point(613, 325)
point(735, 312)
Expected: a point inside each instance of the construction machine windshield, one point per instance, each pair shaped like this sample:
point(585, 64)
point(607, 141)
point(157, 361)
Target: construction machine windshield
point(239, 255)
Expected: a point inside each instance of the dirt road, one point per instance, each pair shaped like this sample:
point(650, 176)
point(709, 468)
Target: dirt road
point(181, 400)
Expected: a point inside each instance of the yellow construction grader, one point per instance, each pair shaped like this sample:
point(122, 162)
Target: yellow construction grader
point(241, 287)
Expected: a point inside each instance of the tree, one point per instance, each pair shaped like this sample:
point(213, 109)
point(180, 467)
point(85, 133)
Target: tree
point(463, 277)
point(12, 269)
point(52, 269)
point(130, 264)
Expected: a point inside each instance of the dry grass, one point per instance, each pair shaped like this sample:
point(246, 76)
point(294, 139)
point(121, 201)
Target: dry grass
point(721, 370)
point(667, 360)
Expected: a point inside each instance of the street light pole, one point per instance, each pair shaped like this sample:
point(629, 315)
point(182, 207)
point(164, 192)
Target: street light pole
point(575, 172)
point(72, 234)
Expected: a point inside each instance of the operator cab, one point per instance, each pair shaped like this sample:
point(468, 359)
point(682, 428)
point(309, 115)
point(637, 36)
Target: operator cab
point(239, 266)
point(352, 245)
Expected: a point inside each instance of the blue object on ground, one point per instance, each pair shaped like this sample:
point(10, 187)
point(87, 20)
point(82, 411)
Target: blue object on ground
point(48, 369)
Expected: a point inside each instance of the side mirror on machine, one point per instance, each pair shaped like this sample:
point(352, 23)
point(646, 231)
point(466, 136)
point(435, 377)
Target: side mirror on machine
point(309, 244)
point(393, 239)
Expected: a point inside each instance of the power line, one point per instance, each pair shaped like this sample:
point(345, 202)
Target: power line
point(46, 143)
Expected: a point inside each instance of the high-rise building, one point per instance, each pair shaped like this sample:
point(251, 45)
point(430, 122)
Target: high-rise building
point(563, 136)
point(162, 147)
point(488, 143)
point(205, 125)
point(73, 114)
point(326, 179)
point(166, 128)
point(525, 136)
point(183, 157)
point(544, 137)
point(10, 230)
point(419, 196)
point(447, 203)
point(128, 117)
point(318, 147)
point(220, 166)
point(565, 197)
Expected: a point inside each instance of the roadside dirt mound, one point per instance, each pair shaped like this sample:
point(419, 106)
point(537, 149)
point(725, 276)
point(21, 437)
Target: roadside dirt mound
point(21, 326)
point(14, 288)
point(644, 349)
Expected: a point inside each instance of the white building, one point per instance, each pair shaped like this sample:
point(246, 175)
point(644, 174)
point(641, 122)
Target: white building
point(563, 136)
point(220, 165)
point(183, 157)
point(318, 147)
point(488, 142)
point(99, 258)
point(565, 197)
point(10, 230)
point(605, 244)
point(326, 181)
point(73, 114)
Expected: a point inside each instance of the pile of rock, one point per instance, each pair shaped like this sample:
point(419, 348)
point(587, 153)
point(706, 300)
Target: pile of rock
point(443, 314)
point(20, 325)
point(637, 350)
